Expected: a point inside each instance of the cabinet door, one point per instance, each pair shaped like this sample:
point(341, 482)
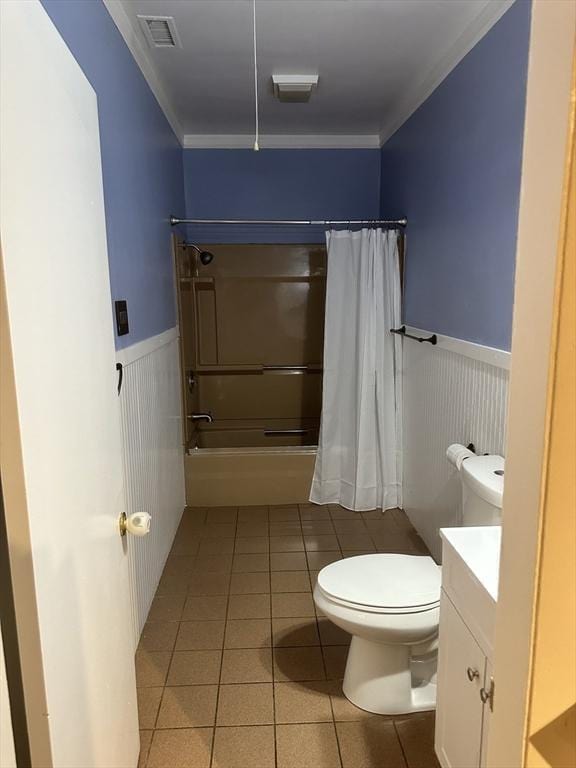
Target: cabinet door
point(459, 707)
point(486, 716)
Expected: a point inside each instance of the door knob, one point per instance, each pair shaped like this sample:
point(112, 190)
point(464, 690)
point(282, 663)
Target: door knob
point(138, 523)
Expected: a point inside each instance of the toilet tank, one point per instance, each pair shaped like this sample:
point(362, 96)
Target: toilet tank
point(482, 489)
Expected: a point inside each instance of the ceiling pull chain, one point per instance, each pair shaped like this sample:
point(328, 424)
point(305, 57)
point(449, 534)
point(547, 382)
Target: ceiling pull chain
point(257, 131)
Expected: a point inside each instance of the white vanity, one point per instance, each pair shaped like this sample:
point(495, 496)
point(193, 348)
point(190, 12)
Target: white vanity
point(470, 565)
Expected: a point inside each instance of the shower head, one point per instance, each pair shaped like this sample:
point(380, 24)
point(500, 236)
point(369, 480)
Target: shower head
point(205, 256)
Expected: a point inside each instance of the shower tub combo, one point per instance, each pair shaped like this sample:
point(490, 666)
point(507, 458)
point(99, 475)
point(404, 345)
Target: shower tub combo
point(251, 335)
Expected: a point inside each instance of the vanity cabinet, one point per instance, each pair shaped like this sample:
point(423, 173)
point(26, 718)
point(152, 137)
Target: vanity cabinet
point(465, 687)
point(464, 680)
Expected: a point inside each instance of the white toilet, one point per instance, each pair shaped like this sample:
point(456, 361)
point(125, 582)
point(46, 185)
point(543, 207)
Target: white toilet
point(390, 605)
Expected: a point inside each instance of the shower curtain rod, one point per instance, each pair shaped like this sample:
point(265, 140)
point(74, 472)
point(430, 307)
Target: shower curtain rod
point(174, 220)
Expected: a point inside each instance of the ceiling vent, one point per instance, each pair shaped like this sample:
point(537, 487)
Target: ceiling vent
point(160, 31)
point(294, 87)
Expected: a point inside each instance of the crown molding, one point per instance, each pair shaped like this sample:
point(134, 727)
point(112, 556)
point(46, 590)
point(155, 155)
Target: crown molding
point(493, 10)
point(281, 141)
point(133, 40)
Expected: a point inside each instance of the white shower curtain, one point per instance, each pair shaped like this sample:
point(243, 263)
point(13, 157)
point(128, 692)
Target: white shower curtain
point(359, 459)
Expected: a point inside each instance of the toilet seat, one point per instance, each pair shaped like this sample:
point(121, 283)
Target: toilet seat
point(383, 583)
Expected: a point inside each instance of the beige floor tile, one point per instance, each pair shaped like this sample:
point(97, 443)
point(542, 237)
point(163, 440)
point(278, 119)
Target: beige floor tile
point(173, 584)
point(252, 545)
point(252, 528)
point(158, 636)
point(145, 741)
point(200, 635)
point(321, 527)
point(244, 747)
point(286, 529)
point(221, 515)
point(218, 531)
point(188, 706)
point(302, 703)
point(313, 512)
point(349, 541)
point(330, 634)
point(152, 668)
point(249, 607)
point(307, 746)
point(247, 666)
point(416, 733)
point(296, 664)
point(350, 526)
point(294, 632)
point(286, 544)
point(248, 633)
point(290, 581)
point(213, 564)
point(194, 668)
point(284, 513)
point(181, 748)
point(288, 561)
point(186, 544)
point(291, 604)
point(335, 661)
point(252, 514)
point(318, 560)
point(148, 703)
point(166, 608)
point(317, 542)
point(249, 583)
point(246, 704)
point(369, 743)
point(341, 513)
point(204, 608)
point(209, 584)
point(357, 552)
point(216, 547)
point(343, 709)
point(251, 563)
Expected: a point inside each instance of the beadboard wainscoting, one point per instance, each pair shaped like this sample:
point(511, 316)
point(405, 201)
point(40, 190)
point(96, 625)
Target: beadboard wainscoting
point(455, 392)
point(153, 460)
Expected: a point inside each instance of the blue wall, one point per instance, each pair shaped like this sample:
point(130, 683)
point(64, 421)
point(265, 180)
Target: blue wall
point(454, 169)
point(278, 184)
point(141, 166)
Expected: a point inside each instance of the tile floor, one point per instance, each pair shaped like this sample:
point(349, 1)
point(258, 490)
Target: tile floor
point(237, 669)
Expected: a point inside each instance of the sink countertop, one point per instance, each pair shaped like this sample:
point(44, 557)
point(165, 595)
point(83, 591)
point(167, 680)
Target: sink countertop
point(479, 548)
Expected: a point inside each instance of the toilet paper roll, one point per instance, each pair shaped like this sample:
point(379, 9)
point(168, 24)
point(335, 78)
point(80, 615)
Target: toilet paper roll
point(456, 454)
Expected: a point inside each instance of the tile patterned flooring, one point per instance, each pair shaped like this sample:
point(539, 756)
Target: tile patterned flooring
point(237, 669)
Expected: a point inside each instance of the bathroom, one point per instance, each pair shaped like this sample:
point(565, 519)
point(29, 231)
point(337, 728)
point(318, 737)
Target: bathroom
point(263, 191)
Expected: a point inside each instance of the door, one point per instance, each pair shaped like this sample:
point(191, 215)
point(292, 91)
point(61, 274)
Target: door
point(461, 671)
point(59, 322)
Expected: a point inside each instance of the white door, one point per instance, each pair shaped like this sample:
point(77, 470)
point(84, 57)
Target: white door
point(59, 313)
point(461, 670)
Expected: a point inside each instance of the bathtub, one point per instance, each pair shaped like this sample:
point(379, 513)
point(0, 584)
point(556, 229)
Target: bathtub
point(223, 477)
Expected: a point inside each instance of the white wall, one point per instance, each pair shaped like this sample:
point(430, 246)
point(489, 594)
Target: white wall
point(153, 460)
point(449, 397)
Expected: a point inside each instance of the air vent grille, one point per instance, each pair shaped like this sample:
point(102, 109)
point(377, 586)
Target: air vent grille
point(160, 31)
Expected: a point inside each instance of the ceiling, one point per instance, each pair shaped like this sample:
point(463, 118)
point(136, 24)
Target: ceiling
point(376, 61)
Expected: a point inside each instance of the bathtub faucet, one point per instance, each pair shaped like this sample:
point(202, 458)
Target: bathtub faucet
point(201, 417)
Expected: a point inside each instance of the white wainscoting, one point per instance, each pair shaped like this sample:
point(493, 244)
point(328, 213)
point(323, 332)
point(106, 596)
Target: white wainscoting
point(153, 459)
point(449, 397)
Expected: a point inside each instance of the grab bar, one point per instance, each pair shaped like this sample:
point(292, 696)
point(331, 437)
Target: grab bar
point(402, 332)
point(284, 367)
point(270, 432)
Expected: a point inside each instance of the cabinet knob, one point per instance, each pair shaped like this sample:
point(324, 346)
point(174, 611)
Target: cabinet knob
point(472, 674)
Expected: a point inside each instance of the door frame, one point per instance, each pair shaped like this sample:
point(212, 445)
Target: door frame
point(541, 225)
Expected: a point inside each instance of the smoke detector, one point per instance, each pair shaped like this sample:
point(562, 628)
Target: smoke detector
point(294, 87)
point(160, 31)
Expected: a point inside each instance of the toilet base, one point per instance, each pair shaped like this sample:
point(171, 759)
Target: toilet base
point(378, 679)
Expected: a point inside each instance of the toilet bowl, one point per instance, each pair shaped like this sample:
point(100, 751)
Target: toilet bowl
point(390, 605)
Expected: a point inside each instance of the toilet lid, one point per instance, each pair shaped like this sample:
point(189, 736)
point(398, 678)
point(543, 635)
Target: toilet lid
point(383, 580)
